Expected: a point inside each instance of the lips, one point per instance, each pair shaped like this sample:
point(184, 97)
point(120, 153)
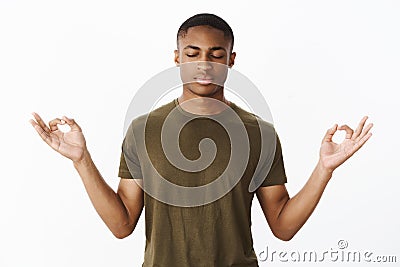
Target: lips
point(203, 80)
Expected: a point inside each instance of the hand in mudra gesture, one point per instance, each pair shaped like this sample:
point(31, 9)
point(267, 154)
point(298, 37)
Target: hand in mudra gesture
point(332, 155)
point(70, 144)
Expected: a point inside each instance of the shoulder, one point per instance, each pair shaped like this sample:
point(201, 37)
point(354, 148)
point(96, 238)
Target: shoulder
point(253, 121)
point(155, 115)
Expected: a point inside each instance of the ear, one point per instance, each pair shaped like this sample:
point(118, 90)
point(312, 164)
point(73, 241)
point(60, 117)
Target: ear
point(232, 59)
point(176, 58)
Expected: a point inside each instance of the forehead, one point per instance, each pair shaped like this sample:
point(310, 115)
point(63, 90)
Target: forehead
point(204, 37)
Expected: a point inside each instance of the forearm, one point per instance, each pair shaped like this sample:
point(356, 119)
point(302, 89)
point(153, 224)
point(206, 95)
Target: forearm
point(299, 208)
point(104, 199)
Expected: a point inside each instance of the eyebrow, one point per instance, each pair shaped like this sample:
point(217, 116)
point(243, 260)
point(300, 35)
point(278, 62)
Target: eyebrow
point(211, 48)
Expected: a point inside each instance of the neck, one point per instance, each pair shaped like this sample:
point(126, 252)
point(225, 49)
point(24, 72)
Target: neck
point(203, 105)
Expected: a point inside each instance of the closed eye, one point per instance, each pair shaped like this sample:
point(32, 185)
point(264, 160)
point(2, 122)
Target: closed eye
point(195, 55)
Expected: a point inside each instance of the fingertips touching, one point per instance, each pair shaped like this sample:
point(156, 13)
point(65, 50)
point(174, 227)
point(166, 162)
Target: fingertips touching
point(67, 120)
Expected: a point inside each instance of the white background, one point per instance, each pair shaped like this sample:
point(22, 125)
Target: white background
point(316, 62)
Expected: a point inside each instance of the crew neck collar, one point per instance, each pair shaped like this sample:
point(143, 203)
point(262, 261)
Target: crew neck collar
point(189, 114)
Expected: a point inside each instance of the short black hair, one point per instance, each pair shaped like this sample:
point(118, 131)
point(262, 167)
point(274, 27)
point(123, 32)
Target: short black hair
point(206, 19)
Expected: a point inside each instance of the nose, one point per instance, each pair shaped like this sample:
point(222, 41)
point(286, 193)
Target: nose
point(204, 65)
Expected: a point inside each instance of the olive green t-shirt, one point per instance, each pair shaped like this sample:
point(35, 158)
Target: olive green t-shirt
point(217, 233)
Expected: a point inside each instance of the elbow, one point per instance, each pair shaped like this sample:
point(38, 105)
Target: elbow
point(284, 235)
point(122, 233)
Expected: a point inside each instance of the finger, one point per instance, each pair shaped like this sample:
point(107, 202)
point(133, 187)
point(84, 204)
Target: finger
point(40, 122)
point(53, 124)
point(71, 122)
point(360, 127)
point(361, 142)
point(365, 131)
point(329, 134)
point(42, 133)
point(349, 131)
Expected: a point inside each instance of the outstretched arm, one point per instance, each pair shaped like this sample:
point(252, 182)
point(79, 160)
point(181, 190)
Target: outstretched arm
point(287, 215)
point(120, 211)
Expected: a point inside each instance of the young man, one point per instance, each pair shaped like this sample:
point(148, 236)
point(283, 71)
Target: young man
point(217, 233)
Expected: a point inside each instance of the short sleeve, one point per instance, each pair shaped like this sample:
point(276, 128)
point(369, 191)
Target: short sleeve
point(129, 166)
point(123, 171)
point(276, 174)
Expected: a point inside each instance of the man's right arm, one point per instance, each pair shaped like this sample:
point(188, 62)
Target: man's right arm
point(120, 211)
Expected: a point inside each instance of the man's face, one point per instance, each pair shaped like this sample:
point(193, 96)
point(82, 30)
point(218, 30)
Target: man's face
point(204, 57)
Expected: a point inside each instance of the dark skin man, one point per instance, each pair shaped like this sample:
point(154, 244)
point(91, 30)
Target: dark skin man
point(121, 210)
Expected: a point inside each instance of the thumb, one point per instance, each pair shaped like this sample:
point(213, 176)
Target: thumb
point(329, 134)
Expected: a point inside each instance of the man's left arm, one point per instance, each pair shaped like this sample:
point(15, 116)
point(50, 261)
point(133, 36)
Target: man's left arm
point(286, 215)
